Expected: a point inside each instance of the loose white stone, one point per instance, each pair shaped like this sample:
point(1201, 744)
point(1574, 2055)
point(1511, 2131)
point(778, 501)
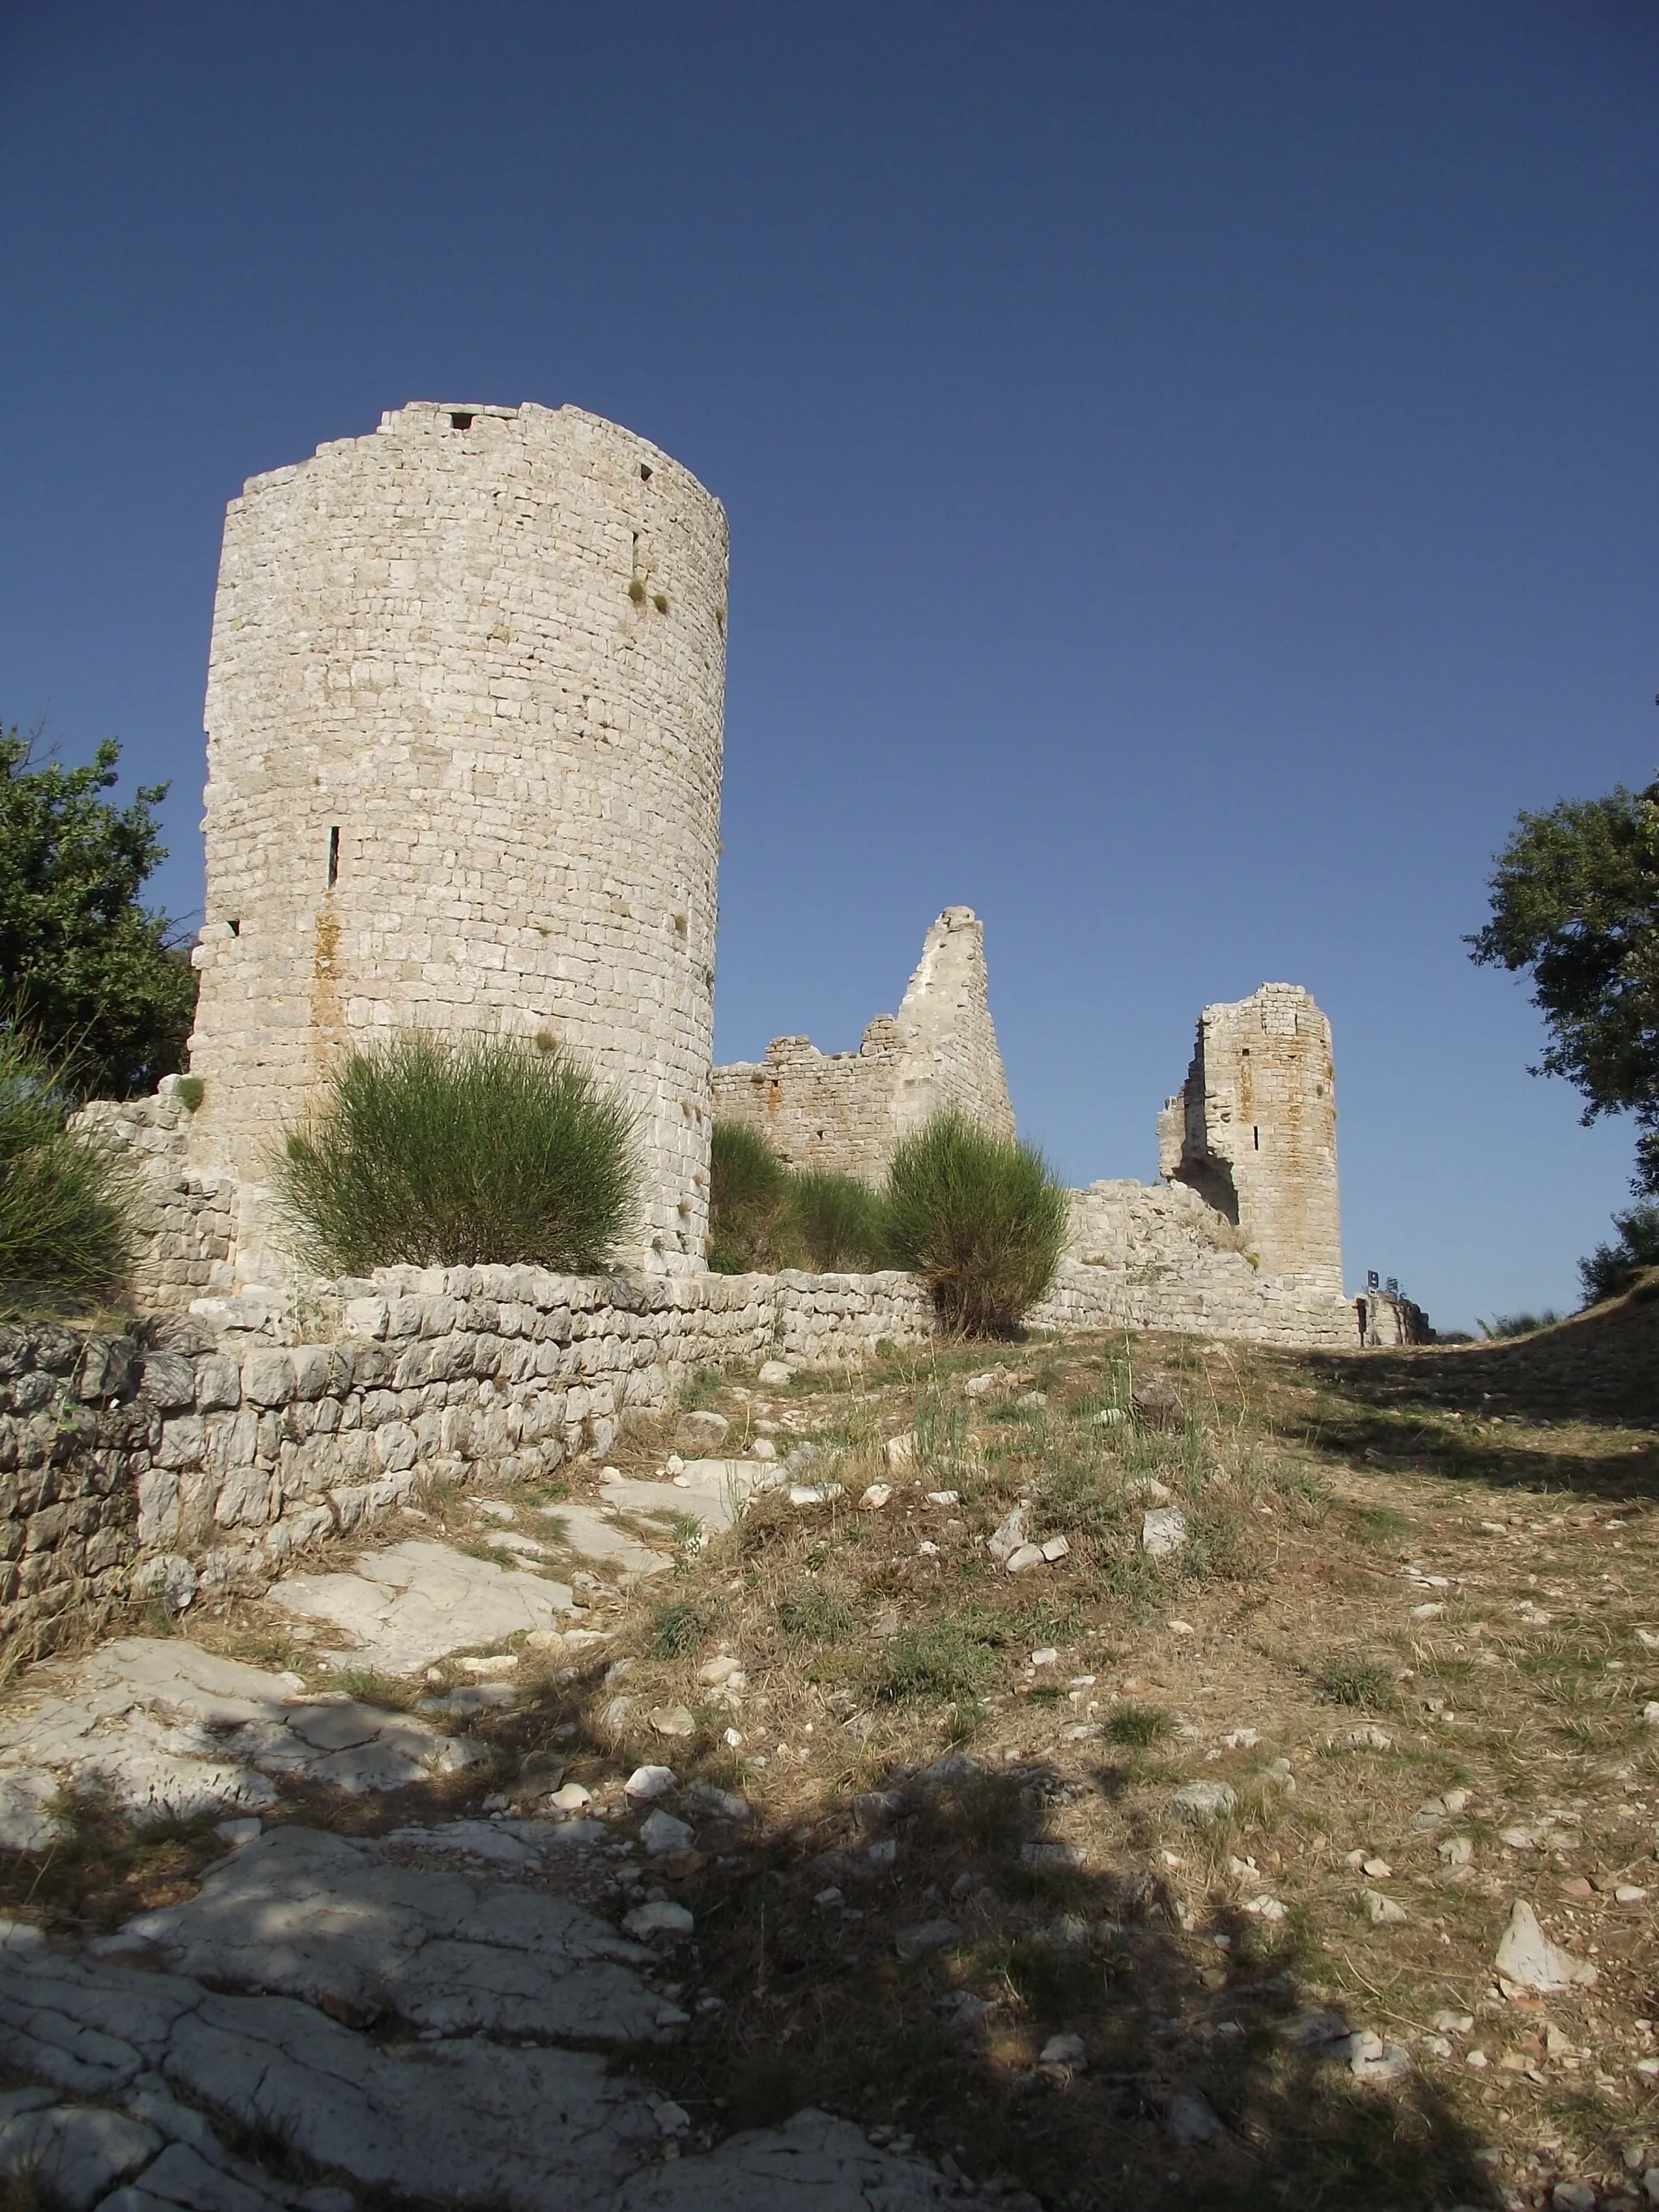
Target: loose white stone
point(1205, 1800)
point(1068, 2051)
point(1527, 1958)
point(661, 1834)
point(659, 1917)
point(1163, 1531)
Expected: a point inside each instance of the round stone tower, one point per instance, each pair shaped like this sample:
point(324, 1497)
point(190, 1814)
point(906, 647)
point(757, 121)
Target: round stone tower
point(463, 717)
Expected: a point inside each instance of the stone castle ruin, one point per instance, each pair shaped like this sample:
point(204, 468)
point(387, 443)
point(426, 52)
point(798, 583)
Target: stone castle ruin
point(464, 716)
point(846, 1110)
point(465, 724)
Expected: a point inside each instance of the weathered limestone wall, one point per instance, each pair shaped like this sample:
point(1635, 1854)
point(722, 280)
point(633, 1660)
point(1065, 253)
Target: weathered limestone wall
point(211, 1445)
point(846, 1111)
point(1156, 1256)
point(1253, 1130)
point(1383, 1317)
point(74, 1425)
point(185, 1218)
point(464, 716)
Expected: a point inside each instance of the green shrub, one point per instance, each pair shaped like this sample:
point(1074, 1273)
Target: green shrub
point(840, 1222)
point(446, 1152)
point(676, 1630)
point(65, 1224)
point(983, 1218)
point(752, 1227)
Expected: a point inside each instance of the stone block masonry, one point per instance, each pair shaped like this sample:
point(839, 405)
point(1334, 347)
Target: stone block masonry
point(1156, 1256)
point(209, 1445)
point(463, 714)
point(1253, 1130)
point(846, 1111)
point(185, 1218)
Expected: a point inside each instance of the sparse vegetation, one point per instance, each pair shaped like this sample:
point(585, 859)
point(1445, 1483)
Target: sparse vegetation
point(1410, 1641)
point(817, 1613)
point(449, 1151)
point(1345, 1681)
point(982, 1217)
point(65, 1203)
point(1502, 1325)
point(1137, 1728)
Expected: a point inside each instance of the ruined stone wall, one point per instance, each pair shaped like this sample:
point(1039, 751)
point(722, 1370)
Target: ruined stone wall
point(212, 1444)
point(464, 720)
point(72, 1433)
point(846, 1111)
point(1253, 1131)
point(1156, 1256)
point(185, 1217)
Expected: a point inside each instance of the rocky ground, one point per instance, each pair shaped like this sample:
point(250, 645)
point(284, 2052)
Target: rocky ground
point(1119, 1772)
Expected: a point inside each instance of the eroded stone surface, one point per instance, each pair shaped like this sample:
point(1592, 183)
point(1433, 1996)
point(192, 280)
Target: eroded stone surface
point(324, 1917)
point(811, 2164)
point(165, 1727)
point(712, 1491)
point(416, 1601)
point(582, 1529)
point(545, 2130)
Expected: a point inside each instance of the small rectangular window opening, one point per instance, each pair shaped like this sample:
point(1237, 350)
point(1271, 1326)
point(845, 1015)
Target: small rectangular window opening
point(333, 856)
point(461, 421)
point(1256, 1133)
point(235, 928)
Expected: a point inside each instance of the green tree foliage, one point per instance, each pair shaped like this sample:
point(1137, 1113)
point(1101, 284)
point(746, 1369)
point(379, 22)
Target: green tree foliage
point(97, 983)
point(1575, 899)
point(65, 1232)
point(983, 1218)
point(1611, 1268)
point(452, 1152)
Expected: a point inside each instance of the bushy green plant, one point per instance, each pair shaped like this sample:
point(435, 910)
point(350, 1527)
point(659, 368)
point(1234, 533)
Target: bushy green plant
point(840, 1222)
point(1611, 1268)
point(65, 1223)
point(982, 1217)
point(445, 1152)
point(752, 1228)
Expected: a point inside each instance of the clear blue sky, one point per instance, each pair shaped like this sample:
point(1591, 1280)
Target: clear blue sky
point(1192, 471)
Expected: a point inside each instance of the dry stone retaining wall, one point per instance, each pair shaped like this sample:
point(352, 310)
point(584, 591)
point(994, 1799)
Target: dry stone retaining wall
point(209, 1445)
point(74, 1428)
